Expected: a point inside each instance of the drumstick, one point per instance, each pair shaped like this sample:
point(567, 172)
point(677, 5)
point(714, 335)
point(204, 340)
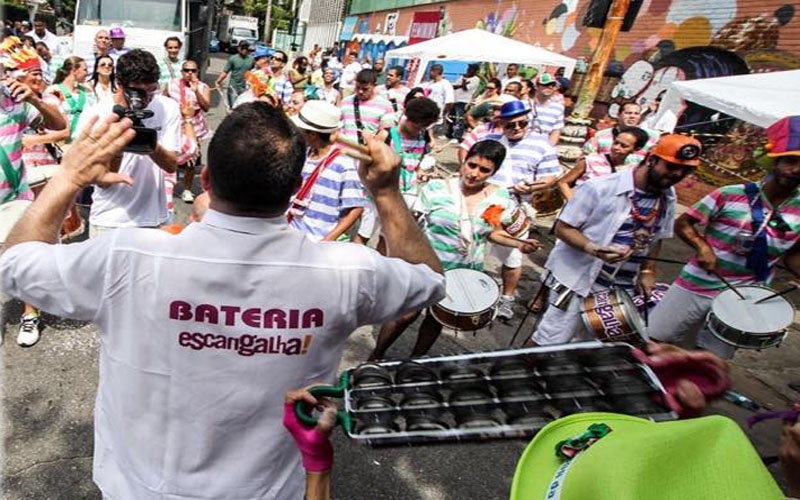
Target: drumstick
point(667, 261)
point(357, 155)
point(777, 294)
point(344, 141)
point(727, 284)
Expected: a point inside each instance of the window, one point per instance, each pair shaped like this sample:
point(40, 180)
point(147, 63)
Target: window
point(148, 14)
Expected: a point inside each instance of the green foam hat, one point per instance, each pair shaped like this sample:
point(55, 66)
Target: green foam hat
point(707, 458)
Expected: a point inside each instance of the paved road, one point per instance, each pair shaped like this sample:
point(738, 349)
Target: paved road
point(48, 396)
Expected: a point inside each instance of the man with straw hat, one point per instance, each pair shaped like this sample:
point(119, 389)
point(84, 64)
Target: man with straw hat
point(330, 200)
point(749, 228)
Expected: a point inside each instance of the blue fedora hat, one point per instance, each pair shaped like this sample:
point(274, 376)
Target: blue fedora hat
point(513, 109)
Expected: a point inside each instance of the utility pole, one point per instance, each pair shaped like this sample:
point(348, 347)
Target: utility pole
point(268, 22)
point(594, 76)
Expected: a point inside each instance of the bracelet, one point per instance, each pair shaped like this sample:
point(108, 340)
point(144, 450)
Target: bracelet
point(647, 271)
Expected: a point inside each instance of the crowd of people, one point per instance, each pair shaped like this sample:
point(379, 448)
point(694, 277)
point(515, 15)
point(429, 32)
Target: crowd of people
point(315, 160)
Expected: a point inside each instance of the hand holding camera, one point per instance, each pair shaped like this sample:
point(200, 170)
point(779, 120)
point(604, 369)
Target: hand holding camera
point(146, 138)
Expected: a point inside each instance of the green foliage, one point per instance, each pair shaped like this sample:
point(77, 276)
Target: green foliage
point(281, 12)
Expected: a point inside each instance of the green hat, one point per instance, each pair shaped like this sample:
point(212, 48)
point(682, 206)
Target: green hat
point(706, 458)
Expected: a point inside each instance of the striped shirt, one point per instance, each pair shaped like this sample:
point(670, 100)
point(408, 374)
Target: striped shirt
point(441, 201)
point(337, 189)
point(531, 158)
point(547, 117)
point(637, 235)
point(377, 113)
point(410, 152)
point(477, 134)
point(598, 165)
point(603, 139)
point(283, 87)
point(726, 214)
point(15, 118)
point(199, 123)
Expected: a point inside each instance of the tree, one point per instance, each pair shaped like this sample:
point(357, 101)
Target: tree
point(281, 12)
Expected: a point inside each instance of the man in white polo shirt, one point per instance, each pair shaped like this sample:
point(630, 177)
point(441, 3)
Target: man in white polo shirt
point(202, 333)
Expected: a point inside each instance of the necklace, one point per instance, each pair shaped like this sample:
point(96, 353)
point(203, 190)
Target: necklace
point(637, 214)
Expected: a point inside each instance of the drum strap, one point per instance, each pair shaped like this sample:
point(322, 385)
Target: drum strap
point(757, 259)
point(75, 106)
point(359, 123)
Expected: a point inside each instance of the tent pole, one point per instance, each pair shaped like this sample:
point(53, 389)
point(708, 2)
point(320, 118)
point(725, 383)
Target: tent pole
point(605, 47)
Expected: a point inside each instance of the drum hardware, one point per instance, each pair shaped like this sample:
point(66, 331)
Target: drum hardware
point(371, 375)
point(478, 421)
point(375, 403)
point(471, 395)
point(463, 373)
point(412, 372)
point(422, 399)
point(777, 294)
point(425, 423)
point(510, 368)
point(634, 404)
point(741, 400)
point(747, 325)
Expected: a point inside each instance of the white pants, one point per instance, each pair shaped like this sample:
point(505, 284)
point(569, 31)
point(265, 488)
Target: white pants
point(510, 257)
point(562, 326)
point(680, 318)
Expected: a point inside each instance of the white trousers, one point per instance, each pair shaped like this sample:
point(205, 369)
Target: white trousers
point(680, 318)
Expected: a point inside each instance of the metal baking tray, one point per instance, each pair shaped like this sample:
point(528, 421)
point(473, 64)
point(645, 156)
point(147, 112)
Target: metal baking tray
point(492, 395)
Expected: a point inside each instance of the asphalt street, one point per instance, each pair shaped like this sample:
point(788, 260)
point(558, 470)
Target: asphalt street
point(48, 397)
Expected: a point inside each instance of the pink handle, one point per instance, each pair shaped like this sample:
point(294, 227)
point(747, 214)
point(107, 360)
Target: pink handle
point(314, 445)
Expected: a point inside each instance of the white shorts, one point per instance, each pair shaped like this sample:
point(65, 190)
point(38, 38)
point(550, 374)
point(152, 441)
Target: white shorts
point(510, 257)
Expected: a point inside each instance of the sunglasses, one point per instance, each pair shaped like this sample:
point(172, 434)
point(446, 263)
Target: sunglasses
point(515, 125)
point(279, 59)
point(491, 88)
point(105, 65)
point(189, 70)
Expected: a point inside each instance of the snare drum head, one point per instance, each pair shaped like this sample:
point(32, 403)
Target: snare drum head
point(42, 173)
point(469, 291)
point(10, 213)
point(769, 316)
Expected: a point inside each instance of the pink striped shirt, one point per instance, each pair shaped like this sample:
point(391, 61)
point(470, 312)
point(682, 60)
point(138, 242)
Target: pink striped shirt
point(14, 119)
point(376, 114)
point(726, 213)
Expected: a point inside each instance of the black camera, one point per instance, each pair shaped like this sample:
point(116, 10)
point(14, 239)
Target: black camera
point(146, 138)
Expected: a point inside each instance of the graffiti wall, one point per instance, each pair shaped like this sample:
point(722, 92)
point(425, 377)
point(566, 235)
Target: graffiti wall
point(670, 40)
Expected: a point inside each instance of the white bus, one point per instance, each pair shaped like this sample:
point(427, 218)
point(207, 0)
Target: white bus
point(147, 23)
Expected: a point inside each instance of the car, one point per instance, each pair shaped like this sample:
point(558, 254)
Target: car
point(213, 43)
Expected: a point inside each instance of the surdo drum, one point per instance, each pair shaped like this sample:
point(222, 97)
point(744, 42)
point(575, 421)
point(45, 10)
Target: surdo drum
point(612, 317)
point(747, 325)
point(470, 300)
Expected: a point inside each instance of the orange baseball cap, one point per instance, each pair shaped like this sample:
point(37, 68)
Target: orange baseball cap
point(680, 149)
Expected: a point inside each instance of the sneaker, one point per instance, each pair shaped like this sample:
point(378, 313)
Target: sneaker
point(187, 196)
point(28, 330)
point(505, 309)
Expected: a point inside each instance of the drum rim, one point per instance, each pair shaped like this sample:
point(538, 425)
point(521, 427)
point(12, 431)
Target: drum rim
point(776, 337)
point(463, 270)
point(791, 309)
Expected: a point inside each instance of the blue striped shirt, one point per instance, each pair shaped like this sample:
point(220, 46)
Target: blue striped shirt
point(645, 202)
point(337, 189)
point(531, 158)
point(547, 117)
point(283, 87)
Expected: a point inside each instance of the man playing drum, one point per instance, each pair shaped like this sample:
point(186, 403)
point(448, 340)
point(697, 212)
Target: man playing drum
point(606, 231)
point(21, 109)
point(749, 227)
point(530, 167)
point(458, 229)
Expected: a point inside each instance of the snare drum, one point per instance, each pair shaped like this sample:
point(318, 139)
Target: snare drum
point(547, 202)
point(517, 223)
point(469, 304)
point(10, 213)
point(745, 324)
point(612, 317)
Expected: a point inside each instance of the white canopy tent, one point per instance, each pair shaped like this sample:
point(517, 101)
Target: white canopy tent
point(481, 45)
point(758, 98)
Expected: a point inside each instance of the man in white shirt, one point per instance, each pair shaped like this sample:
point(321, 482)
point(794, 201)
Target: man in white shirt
point(441, 92)
point(202, 333)
point(465, 88)
point(394, 90)
point(41, 34)
point(144, 203)
point(347, 83)
point(512, 75)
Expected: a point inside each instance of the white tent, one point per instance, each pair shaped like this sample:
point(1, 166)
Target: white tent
point(758, 98)
point(481, 45)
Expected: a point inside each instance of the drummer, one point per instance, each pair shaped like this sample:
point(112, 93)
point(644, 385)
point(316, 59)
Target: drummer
point(458, 238)
point(531, 167)
point(606, 231)
point(749, 228)
point(22, 108)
